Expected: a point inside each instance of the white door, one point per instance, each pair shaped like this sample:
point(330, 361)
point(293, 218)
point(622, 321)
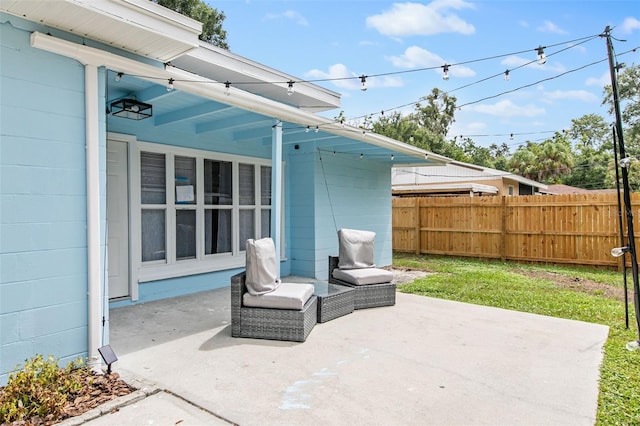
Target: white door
point(118, 219)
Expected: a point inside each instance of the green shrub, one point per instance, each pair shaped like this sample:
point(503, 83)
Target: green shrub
point(40, 388)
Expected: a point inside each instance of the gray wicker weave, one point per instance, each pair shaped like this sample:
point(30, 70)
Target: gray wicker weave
point(367, 296)
point(273, 324)
point(333, 300)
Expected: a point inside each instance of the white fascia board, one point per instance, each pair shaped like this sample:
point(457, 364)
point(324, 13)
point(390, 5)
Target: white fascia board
point(229, 60)
point(193, 84)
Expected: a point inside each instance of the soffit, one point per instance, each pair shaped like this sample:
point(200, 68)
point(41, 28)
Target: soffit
point(137, 26)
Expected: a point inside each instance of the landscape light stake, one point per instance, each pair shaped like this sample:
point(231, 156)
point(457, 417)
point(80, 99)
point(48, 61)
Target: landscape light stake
point(631, 243)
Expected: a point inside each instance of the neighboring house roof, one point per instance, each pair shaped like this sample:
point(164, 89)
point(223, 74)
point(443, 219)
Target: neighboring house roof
point(454, 172)
point(454, 188)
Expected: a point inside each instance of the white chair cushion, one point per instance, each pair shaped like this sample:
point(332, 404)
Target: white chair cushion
point(356, 249)
point(363, 276)
point(262, 267)
point(286, 296)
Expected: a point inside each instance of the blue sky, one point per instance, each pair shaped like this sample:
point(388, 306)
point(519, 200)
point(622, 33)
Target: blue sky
point(337, 39)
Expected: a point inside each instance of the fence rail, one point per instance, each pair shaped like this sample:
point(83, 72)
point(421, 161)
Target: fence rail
point(574, 229)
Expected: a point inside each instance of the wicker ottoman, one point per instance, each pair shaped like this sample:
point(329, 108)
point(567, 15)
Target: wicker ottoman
point(333, 300)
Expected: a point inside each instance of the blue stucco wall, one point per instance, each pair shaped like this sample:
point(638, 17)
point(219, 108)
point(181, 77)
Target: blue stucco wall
point(329, 192)
point(43, 247)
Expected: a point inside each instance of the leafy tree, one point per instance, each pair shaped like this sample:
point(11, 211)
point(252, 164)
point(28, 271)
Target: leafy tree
point(212, 19)
point(546, 162)
point(629, 98)
point(593, 168)
point(426, 127)
point(500, 155)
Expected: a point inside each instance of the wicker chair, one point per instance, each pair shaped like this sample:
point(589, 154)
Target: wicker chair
point(273, 324)
point(369, 295)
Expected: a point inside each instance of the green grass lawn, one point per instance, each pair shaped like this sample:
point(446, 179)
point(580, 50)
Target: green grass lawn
point(548, 290)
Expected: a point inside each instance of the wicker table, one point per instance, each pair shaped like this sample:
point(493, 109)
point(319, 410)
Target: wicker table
point(333, 300)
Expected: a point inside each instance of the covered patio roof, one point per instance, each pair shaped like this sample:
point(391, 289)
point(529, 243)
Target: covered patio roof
point(200, 101)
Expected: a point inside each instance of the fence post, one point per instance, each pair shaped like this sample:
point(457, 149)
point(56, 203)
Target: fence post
point(417, 225)
point(503, 225)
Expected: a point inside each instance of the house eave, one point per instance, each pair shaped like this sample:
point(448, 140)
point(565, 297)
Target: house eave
point(138, 26)
point(222, 65)
point(210, 89)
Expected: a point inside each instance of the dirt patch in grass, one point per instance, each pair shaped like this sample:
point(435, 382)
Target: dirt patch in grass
point(405, 275)
point(579, 284)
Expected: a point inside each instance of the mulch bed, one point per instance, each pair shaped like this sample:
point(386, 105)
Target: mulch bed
point(97, 390)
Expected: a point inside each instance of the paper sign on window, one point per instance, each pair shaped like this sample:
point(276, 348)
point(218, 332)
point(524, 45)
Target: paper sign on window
point(184, 194)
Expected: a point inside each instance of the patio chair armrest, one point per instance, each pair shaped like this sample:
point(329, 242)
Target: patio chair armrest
point(333, 264)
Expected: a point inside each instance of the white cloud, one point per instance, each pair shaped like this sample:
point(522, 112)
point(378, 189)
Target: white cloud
point(629, 25)
point(343, 78)
point(290, 15)
point(550, 27)
point(601, 81)
point(580, 95)
point(507, 109)
point(417, 57)
point(407, 19)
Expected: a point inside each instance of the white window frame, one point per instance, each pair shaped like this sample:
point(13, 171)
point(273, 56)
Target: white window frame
point(170, 267)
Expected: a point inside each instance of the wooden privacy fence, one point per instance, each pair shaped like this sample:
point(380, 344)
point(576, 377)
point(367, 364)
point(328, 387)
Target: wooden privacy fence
point(576, 229)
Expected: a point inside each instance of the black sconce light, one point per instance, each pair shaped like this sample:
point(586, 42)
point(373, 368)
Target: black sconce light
point(131, 109)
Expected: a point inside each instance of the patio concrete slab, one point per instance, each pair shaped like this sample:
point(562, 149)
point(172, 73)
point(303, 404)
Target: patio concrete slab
point(422, 361)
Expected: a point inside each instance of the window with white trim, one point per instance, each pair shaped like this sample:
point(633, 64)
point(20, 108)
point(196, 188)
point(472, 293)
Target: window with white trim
point(199, 208)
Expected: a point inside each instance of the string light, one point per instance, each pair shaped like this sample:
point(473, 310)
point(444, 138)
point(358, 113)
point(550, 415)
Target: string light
point(118, 76)
point(290, 88)
point(317, 129)
point(506, 75)
point(542, 59)
point(361, 156)
point(227, 88)
point(307, 129)
point(445, 72)
point(363, 82)
point(170, 85)
point(511, 136)
point(363, 77)
point(392, 157)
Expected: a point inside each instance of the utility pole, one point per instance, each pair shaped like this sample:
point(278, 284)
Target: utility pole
point(624, 164)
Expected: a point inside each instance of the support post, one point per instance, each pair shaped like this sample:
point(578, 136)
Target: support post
point(631, 243)
point(276, 187)
point(92, 140)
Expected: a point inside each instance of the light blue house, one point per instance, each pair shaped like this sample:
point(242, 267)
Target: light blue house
point(135, 161)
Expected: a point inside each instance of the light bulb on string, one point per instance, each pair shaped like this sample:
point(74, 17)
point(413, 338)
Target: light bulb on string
point(227, 88)
point(542, 58)
point(506, 75)
point(290, 88)
point(118, 76)
point(445, 72)
point(170, 85)
point(307, 129)
point(317, 129)
point(363, 82)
